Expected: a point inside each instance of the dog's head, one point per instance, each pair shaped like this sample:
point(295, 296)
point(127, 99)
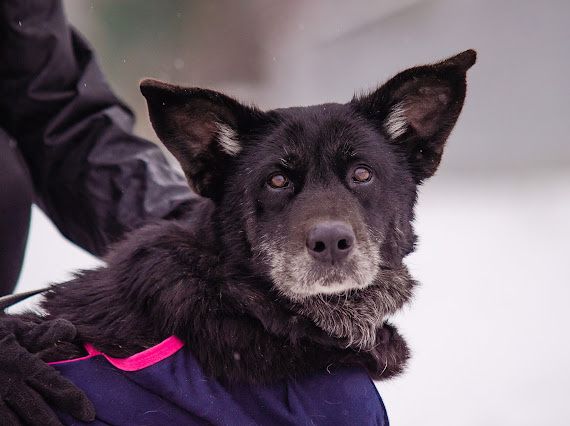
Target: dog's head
point(319, 198)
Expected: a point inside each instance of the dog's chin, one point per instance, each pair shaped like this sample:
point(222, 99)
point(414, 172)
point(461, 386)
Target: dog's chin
point(312, 280)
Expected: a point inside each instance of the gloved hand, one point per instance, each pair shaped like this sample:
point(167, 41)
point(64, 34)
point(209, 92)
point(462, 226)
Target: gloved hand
point(25, 380)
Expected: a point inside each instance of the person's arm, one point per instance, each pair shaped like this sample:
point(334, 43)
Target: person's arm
point(92, 176)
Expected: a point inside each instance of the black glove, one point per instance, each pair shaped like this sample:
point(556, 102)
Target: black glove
point(25, 380)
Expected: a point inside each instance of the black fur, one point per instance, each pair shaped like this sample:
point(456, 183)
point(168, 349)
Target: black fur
point(236, 283)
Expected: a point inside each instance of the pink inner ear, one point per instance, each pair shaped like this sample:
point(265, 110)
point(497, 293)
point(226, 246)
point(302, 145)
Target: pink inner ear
point(424, 110)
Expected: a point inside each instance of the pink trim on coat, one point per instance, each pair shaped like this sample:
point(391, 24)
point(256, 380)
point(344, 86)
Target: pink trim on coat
point(137, 361)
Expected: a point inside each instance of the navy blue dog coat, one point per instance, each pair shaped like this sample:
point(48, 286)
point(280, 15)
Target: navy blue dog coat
point(164, 385)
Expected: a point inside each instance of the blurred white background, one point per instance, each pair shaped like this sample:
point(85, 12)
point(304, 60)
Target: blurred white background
point(488, 326)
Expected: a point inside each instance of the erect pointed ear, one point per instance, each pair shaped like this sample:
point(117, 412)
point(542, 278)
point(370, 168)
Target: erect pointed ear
point(417, 109)
point(203, 129)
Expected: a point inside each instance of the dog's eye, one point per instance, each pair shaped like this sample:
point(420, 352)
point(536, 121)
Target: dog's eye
point(278, 181)
point(361, 174)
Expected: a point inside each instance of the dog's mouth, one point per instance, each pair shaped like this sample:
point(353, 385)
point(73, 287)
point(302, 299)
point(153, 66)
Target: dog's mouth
point(342, 279)
point(301, 278)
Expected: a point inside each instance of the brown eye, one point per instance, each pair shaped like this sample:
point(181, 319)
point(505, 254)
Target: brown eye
point(361, 174)
point(278, 181)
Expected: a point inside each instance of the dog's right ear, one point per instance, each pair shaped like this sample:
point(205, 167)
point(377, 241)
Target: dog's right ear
point(201, 128)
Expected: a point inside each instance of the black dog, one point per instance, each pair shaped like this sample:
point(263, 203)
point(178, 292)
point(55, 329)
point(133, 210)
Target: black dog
point(296, 261)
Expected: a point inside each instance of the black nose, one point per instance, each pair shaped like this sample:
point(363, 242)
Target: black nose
point(330, 241)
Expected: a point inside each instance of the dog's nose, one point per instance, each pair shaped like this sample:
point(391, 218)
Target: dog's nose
point(330, 241)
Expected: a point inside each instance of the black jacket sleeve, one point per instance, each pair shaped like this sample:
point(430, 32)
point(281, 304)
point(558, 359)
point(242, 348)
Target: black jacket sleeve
point(91, 175)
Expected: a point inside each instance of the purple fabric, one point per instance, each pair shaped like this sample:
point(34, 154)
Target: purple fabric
point(175, 391)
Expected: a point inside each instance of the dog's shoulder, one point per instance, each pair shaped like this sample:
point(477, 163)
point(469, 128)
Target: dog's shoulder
point(148, 277)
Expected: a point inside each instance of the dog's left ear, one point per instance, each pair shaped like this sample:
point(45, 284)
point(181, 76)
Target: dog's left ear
point(417, 109)
point(202, 128)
